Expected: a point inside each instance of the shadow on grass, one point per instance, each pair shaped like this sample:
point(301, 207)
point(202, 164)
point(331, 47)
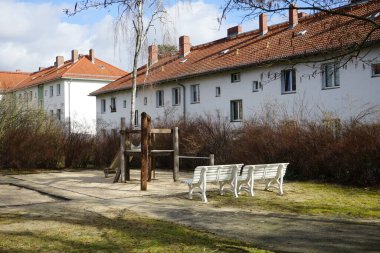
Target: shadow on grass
point(86, 231)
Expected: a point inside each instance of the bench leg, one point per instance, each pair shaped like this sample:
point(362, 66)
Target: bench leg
point(191, 189)
point(221, 188)
point(281, 192)
point(203, 194)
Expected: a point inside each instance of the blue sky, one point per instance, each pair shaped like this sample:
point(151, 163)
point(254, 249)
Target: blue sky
point(33, 32)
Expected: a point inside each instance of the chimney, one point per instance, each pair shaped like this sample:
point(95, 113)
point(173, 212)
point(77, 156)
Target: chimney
point(153, 54)
point(263, 25)
point(184, 45)
point(235, 30)
point(59, 61)
point(41, 68)
point(74, 55)
point(302, 14)
point(92, 55)
point(293, 16)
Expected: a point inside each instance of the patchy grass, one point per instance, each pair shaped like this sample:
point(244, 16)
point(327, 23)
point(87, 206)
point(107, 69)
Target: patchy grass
point(309, 199)
point(86, 231)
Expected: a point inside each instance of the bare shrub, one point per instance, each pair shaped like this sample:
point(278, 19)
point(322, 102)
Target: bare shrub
point(28, 137)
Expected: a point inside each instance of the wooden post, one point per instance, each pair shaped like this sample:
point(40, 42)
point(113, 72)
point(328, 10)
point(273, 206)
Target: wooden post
point(211, 159)
point(175, 154)
point(122, 149)
point(127, 160)
point(144, 151)
point(152, 158)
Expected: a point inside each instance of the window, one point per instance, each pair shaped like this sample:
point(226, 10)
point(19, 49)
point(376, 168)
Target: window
point(176, 96)
point(103, 106)
point(40, 104)
point(51, 91)
point(194, 93)
point(136, 117)
point(256, 85)
point(235, 77)
point(46, 92)
point(113, 105)
point(288, 80)
point(376, 69)
point(51, 113)
point(159, 98)
point(217, 92)
point(330, 76)
point(124, 103)
point(30, 95)
point(59, 114)
point(145, 100)
point(58, 89)
point(236, 110)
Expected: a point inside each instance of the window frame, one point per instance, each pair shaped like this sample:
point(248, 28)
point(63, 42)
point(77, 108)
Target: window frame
point(195, 94)
point(51, 90)
point(239, 112)
point(218, 91)
point(59, 111)
point(145, 101)
point(284, 84)
point(335, 76)
point(373, 67)
point(124, 103)
point(113, 104)
point(137, 118)
point(160, 98)
point(176, 96)
point(103, 106)
point(258, 86)
point(58, 89)
point(235, 77)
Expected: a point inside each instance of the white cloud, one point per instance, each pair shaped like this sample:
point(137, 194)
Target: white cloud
point(32, 34)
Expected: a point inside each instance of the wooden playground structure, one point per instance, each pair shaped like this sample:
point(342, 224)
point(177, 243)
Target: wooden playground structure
point(147, 152)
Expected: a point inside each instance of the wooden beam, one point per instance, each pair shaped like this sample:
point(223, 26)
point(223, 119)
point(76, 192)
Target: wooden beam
point(175, 155)
point(160, 131)
point(122, 149)
point(144, 150)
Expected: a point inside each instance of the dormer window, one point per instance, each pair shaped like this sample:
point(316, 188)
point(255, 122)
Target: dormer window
point(235, 77)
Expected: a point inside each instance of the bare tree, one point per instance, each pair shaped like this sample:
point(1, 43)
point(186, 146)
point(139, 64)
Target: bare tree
point(251, 9)
point(142, 13)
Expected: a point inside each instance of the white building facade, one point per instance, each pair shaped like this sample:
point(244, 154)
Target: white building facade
point(317, 87)
point(62, 90)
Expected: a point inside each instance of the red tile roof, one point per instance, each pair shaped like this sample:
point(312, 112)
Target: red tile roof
point(83, 68)
point(8, 80)
point(324, 33)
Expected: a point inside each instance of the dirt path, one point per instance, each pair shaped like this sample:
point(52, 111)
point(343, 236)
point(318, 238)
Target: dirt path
point(167, 200)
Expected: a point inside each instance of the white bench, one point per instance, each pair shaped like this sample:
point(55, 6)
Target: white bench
point(223, 175)
point(272, 174)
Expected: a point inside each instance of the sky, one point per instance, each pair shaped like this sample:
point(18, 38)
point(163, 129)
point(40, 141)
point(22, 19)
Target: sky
point(34, 32)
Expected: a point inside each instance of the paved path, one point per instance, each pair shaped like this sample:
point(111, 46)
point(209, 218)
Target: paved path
point(167, 200)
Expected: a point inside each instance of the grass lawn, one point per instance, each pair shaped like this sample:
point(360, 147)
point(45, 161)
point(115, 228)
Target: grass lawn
point(310, 199)
point(86, 231)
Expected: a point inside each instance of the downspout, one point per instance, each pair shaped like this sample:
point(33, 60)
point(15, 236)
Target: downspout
point(184, 100)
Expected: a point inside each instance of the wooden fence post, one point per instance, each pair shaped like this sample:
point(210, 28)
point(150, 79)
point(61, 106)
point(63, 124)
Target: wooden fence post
point(144, 150)
point(175, 154)
point(122, 149)
point(211, 159)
